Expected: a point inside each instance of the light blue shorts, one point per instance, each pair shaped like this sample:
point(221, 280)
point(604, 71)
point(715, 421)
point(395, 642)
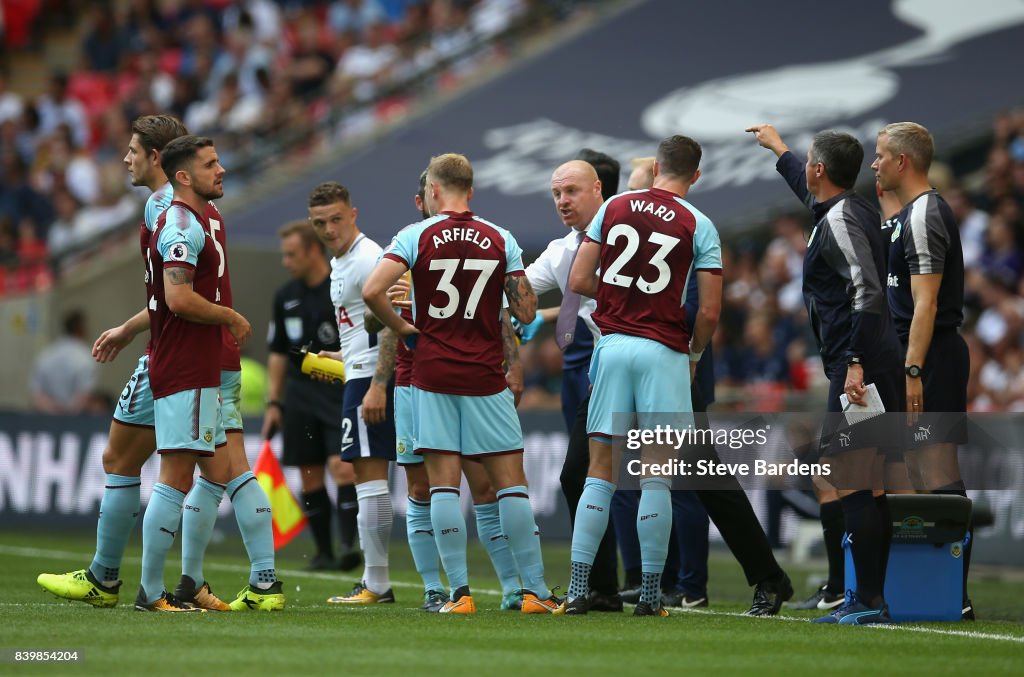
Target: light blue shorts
point(189, 420)
point(466, 424)
point(634, 375)
point(405, 426)
point(135, 406)
point(230, 394)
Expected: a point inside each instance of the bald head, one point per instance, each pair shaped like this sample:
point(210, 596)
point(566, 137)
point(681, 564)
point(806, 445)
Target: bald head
point(577, 193)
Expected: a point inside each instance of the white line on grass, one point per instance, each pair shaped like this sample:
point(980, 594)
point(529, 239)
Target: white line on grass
point(900, 626)
point(297, 573)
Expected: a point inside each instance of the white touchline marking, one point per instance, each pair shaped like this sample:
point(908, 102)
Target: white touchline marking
point(296, 573)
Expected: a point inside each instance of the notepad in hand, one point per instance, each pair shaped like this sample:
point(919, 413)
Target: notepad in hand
point(858, 413)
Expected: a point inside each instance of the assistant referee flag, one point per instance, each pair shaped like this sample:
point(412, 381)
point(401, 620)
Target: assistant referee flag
point(289, 519)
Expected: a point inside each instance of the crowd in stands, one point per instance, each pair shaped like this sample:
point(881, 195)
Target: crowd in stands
point(265, 75)
point(262, 77)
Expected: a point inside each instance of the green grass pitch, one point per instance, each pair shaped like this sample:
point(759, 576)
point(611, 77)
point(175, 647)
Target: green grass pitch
point(311, 637)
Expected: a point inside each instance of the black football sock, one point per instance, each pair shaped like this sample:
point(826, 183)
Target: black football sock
point(864, 525)
point(832, 527)
point(317, 506)
point(348, 512)
point(882, 503)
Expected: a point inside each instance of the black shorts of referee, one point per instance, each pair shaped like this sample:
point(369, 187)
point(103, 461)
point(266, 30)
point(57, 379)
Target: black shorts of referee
point(311, 423)
point(944, 378)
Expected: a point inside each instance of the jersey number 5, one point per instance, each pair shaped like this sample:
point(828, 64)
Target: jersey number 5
point(448, 268)
point(214, 227)
point(665, 243)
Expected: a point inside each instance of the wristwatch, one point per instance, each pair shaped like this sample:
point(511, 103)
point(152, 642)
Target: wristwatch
point(854, 359)
point(913, 371)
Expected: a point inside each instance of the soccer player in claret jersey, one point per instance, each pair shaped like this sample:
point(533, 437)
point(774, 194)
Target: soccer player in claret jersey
point(460, 264)
point(647, 244)
point(419, 531)
point(185, 355)
point(132, 440)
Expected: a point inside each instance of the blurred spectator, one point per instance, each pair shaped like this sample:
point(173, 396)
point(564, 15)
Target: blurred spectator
point(101, 48)
point(1002, 256)
point(11, 103)
point(356, 16)
point(59, 163)
point(973, 223)
point(365, 65)
point(311, 64)
point(62, 236)
point(57, 108)
point(64, 375)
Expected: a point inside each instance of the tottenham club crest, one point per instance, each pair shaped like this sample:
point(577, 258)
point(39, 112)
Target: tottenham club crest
point(178, 252)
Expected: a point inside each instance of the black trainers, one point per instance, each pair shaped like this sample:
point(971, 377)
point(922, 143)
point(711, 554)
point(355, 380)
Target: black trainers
point(630, 595)
point(350, 561)
point(322, 562)
point(683, 601)
point(433, 600)
point(606, 603)
point(645, 609)
point(769, 596)
point(968, 612)
point(822, 599)
point(577, 606)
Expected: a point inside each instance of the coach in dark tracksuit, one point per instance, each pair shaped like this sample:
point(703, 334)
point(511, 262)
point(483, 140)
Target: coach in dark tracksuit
point(844, 292)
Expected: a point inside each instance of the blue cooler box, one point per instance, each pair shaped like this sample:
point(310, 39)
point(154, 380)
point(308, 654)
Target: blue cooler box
point(924, 579)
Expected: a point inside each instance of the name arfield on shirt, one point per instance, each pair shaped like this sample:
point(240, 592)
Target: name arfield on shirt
point(462, 235)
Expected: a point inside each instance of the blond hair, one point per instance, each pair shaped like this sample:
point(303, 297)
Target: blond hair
point(912, 140)
point(452, 172)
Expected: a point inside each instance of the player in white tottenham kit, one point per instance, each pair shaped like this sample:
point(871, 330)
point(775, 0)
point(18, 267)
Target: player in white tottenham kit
point(368, 421)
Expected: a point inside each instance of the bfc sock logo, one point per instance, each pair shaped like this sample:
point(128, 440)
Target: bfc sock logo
point(453, 530)
point(647, 517)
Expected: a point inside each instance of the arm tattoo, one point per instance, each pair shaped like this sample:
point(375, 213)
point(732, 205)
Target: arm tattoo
point(512, 290)
point(180, 275)
point(517, 289)
point(371, 323)
point(508, 341)
point(387, 344)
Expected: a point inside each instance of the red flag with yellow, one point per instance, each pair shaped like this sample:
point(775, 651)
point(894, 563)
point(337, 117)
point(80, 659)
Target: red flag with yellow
point(289, 519)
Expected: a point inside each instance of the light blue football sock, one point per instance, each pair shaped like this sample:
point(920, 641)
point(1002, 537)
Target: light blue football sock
point(420, 534)
point(256, 523)
point(159, 527)
point(119, 510)
point(488, 528)
point(591, 522)
point(450, 535)
point(198, 516)
point(653, 529)
point(591, 519)
point(518, 525)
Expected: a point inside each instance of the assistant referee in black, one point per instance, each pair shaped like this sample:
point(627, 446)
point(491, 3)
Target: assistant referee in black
point(308, 411)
